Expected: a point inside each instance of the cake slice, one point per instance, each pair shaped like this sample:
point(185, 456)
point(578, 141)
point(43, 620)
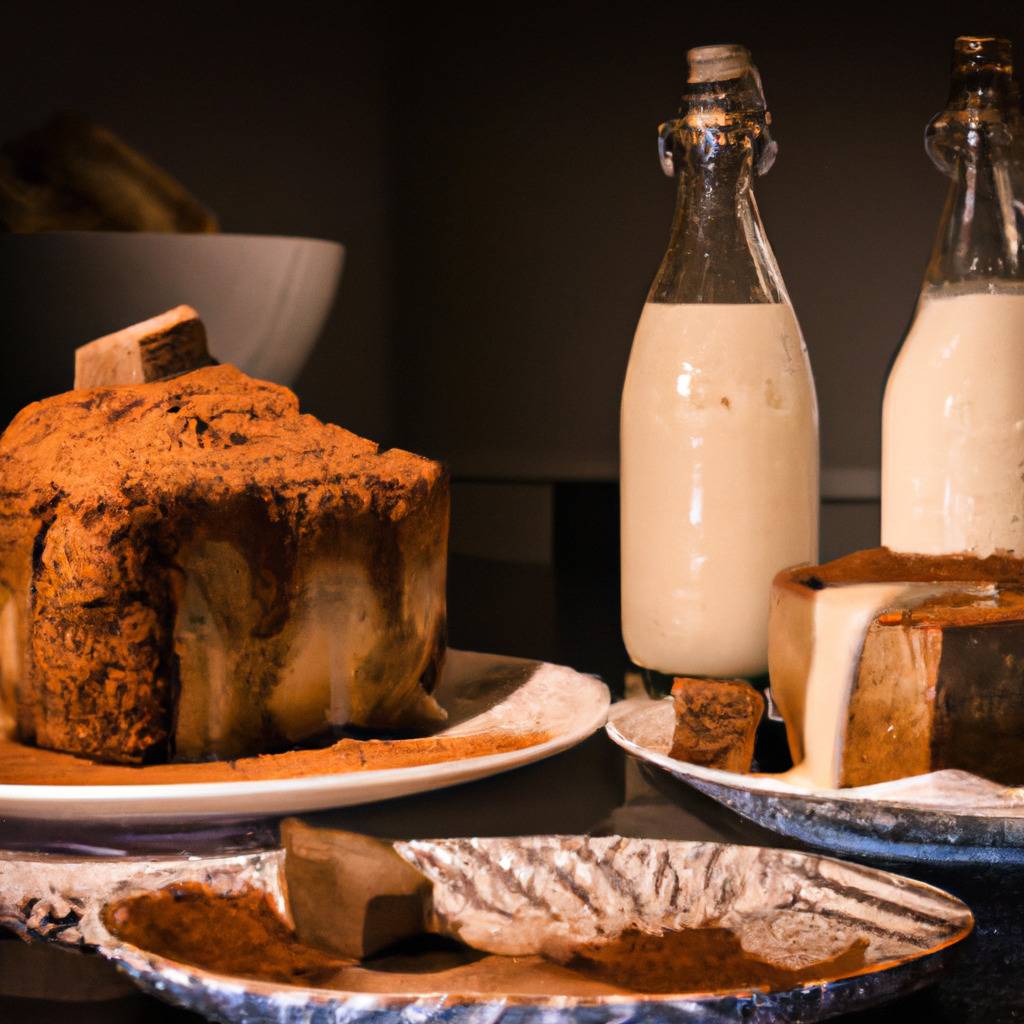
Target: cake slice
point(192, 569)
point(886, 665)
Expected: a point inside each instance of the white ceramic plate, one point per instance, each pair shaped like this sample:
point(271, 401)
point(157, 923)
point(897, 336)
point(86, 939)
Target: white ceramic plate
point(946, 816)
point(481, 692)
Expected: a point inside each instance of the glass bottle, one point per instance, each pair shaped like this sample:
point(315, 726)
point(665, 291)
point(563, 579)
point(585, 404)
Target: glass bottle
point(719, 422)
point(953, 413)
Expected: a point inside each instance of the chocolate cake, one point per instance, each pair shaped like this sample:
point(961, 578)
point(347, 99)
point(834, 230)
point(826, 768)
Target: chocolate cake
point(886, 665)
point(192, 569)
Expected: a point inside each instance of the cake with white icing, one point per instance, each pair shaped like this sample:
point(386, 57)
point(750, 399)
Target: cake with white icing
point(886, 665)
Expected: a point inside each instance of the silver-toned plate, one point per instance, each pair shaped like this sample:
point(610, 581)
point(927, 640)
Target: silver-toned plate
point(942, 817)
point(849, 936)
point(47, 898)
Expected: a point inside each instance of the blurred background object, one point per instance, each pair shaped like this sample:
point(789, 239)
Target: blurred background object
point(72, 174)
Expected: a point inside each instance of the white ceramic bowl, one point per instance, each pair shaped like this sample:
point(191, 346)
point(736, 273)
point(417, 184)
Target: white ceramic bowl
point(264, 299)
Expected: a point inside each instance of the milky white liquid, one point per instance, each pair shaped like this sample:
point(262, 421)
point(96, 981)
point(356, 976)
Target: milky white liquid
point(719, 477)
point(953, 428)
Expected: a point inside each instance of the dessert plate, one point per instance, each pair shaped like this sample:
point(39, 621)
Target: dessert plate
point(592, 929)
point(502, 713)
point(942, 817)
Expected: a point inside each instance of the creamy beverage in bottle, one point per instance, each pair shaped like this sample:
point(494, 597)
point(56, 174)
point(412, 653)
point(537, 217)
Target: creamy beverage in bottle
point(719, 434)
point(953, 414)
point(953, 427)
point(719, 453)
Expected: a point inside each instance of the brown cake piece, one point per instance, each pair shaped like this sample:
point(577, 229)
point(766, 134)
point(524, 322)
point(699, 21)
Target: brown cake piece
point(886, 665)
point(190, 568)
point(716, 722)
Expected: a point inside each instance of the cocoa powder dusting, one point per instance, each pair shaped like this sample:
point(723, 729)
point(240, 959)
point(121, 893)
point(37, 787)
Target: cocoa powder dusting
point(32, 766)
point(239, 935)
point(243, 936)
point(879, 565)
point(699, 960)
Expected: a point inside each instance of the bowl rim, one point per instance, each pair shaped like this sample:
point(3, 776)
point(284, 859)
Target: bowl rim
point(212, 235)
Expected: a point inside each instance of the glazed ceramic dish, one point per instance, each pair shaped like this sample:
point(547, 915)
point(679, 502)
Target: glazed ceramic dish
point(942, 817)
point(599, 929)
point(523, 710)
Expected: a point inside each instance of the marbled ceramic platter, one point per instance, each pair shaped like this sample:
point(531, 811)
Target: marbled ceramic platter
point(847, 937)
point(942, 817)
point(485, 696)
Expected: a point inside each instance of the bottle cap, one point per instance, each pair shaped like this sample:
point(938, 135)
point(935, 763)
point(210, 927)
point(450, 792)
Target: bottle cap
point(723, 95)
point(717, 63)
point(982, 53)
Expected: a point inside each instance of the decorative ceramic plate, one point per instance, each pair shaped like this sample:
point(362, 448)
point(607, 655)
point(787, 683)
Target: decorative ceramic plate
point(502, 713)
point(943, 817)
point(554, 928)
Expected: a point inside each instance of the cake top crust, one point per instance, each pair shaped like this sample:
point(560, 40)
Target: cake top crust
point(212, 433)
point(880, 565)
point(973, 591)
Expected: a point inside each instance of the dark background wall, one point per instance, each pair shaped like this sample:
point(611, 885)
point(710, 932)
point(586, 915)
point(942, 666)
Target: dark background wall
point(534, 212)
point(495, 180)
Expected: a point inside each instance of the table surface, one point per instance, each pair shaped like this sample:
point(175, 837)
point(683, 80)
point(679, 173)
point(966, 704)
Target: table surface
point(570, 616)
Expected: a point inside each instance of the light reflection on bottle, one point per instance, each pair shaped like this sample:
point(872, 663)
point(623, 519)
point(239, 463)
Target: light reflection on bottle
point(696, 500)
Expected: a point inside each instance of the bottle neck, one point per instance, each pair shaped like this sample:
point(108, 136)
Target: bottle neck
point(718, 250)
point(976, 141)
point(979, 236)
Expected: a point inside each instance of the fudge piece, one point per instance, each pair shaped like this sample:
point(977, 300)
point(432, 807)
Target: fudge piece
point(350, 894)
point(192, 569)
point(75, 175)
point(886, 665)
point(716, 722)
point(163, 346)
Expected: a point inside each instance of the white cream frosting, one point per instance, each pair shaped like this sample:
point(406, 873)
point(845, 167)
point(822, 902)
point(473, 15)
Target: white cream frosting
point(816, 639)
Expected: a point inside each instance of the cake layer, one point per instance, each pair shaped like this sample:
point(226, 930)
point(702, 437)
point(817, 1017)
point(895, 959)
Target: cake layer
point(192, 568)
point(887, 665)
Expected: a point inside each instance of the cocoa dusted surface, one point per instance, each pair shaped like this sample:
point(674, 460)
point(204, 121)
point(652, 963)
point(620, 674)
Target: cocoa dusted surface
point(24, 765)
point(97, 488)
point(240, 934)
point(880, 565)
point(965, 609)
point(700, 959)
point(243, 936)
